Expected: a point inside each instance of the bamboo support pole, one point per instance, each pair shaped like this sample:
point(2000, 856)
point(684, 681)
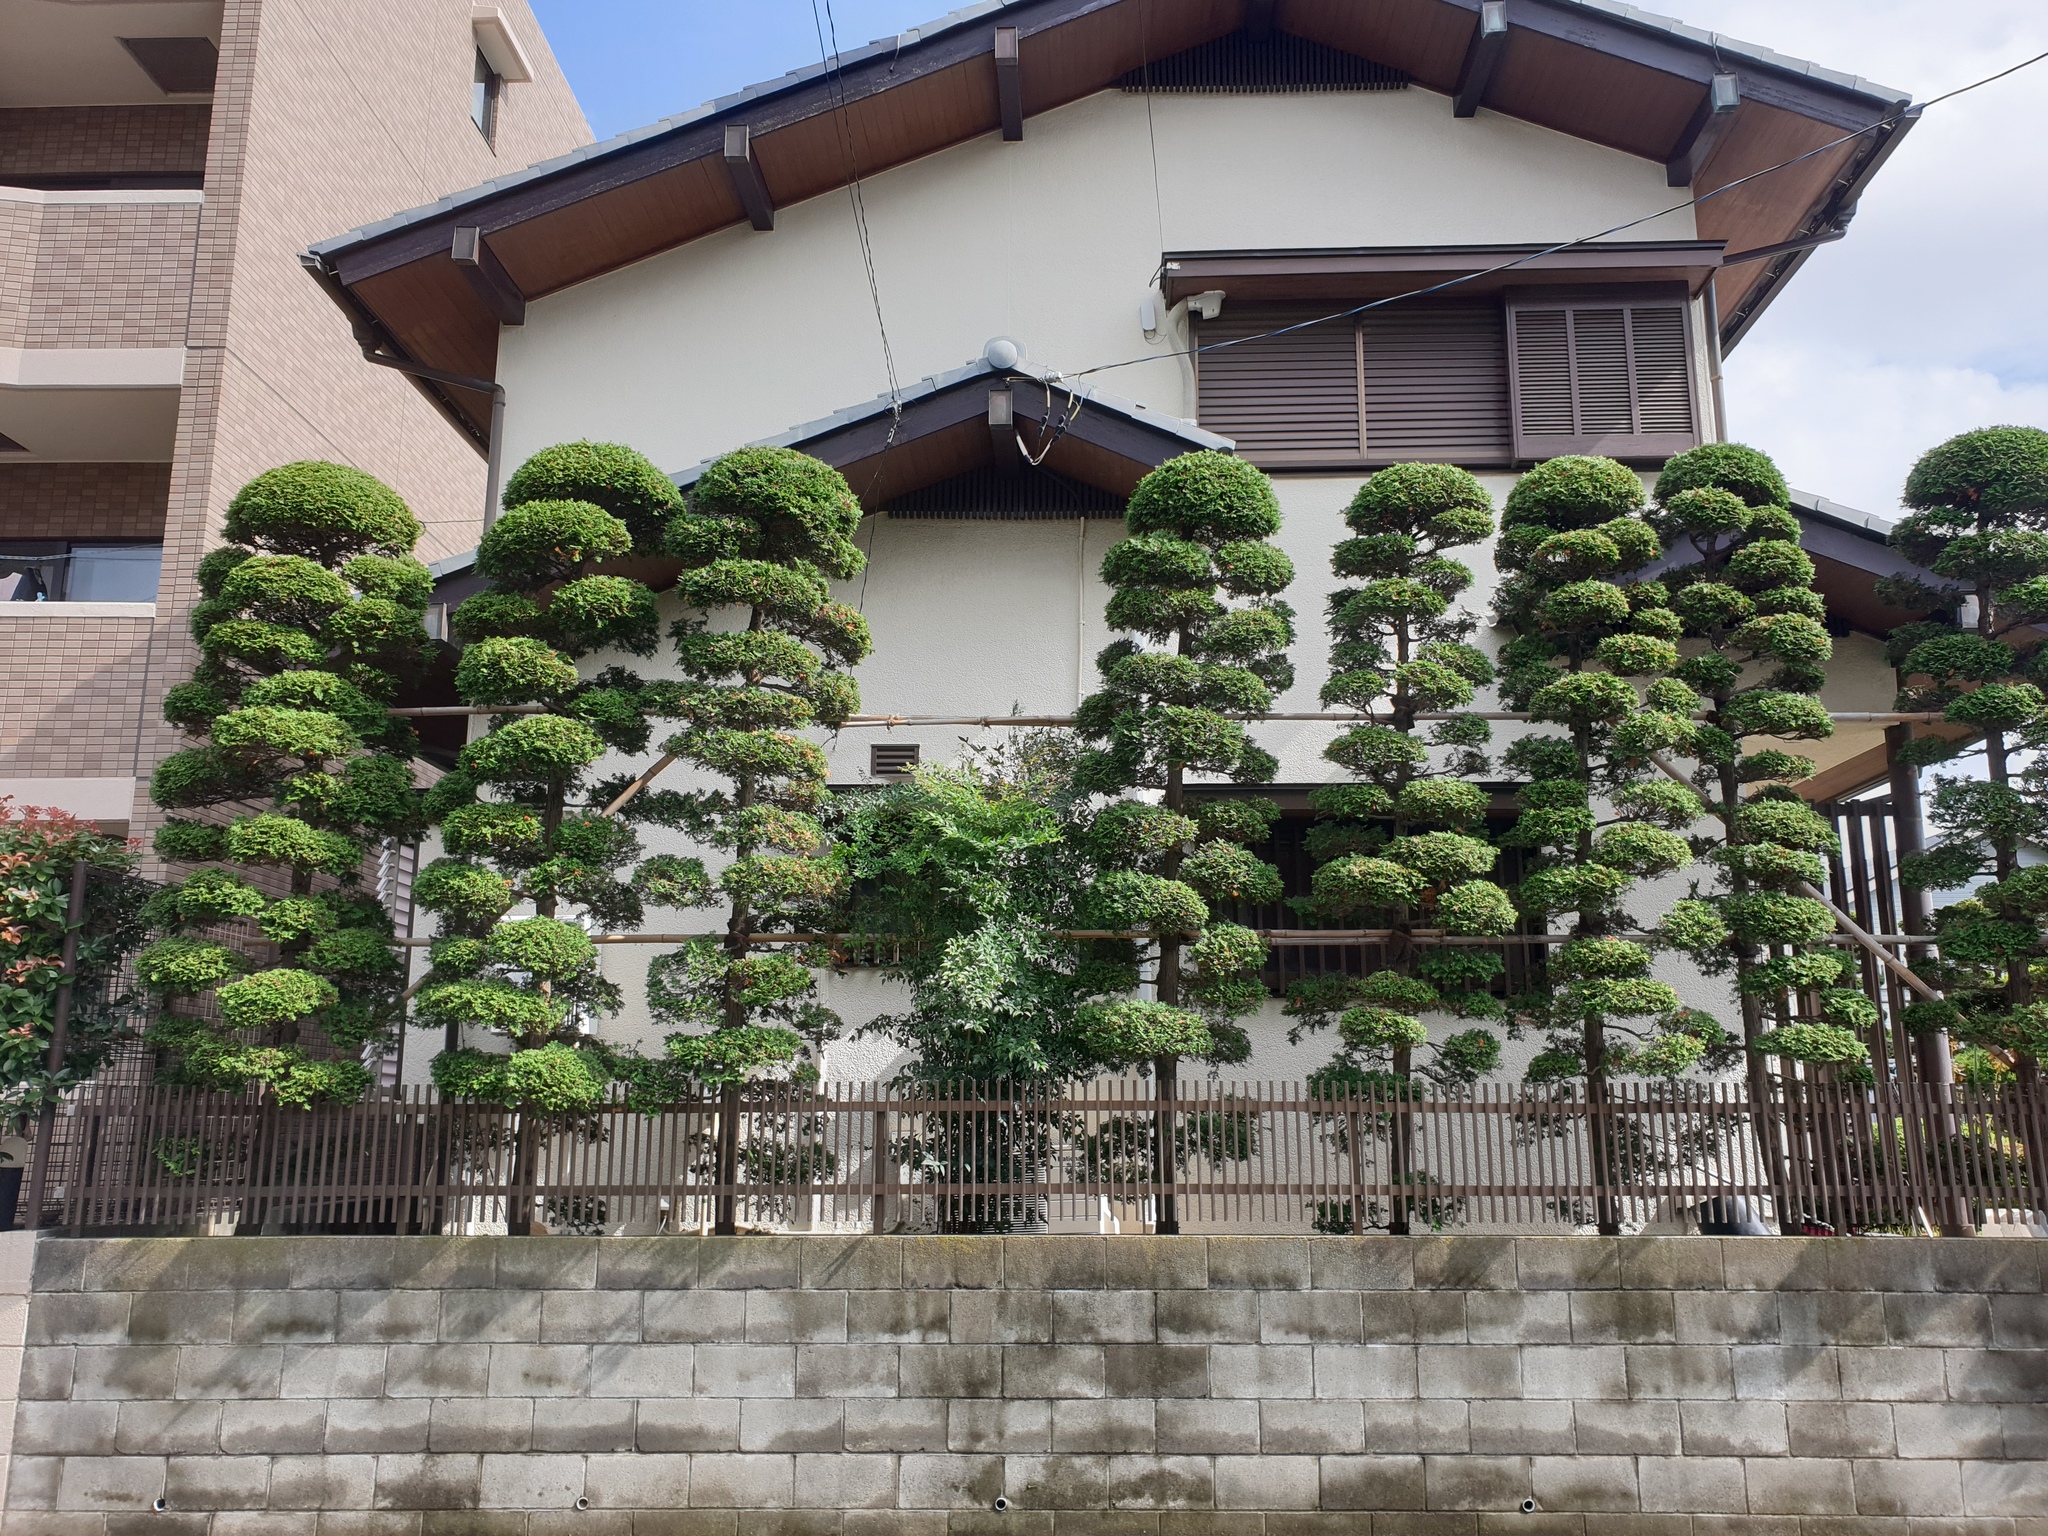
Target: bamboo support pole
point(1337, 717)
point(1874, 945)
point(638, 784)
point(1356, 938)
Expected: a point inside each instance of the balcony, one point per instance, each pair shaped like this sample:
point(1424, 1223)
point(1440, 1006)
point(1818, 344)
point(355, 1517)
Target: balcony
point(95, 288)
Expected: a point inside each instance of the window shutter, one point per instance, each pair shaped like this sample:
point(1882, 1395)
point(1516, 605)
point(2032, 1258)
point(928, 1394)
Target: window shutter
point(1434, 383)
point(1284, 400)
point(1436, 386)
point(1605, 378)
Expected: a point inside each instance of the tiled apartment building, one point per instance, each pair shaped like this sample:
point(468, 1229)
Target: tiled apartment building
point(162, 165)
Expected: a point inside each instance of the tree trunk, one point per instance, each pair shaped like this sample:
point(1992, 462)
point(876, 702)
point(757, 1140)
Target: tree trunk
point(1400, 1140)
point(1165, 1069)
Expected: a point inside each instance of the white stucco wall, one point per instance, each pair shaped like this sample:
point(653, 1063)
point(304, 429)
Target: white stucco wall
point(1053, 240)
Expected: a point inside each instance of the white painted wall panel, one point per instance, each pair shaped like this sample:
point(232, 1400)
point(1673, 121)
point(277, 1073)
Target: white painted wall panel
point(1054, 240)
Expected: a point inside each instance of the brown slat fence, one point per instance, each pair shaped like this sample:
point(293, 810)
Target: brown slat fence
point(1248, 1157)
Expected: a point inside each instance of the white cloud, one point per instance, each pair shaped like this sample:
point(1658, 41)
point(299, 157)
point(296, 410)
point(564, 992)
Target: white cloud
point(1850, 427)
point(1930, 318)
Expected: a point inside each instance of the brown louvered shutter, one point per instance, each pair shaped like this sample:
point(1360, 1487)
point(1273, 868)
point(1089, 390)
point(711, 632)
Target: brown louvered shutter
point(1436, 385)
point(1611, 378)
point(1434, 382)
point(1290, 399)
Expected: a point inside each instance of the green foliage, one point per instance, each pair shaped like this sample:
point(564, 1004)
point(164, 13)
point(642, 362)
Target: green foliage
point(765, 532)
point(325, 512)
point(1197, 530)
point(38, 849)
point(1397, 848)
point(1596, 653)
point(311, 619)
point(519, 820)
point(605, 475)
point(1980, 526)
point(1130, 1031)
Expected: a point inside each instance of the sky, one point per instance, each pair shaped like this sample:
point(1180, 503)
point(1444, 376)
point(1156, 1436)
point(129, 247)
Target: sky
point(1930, 319)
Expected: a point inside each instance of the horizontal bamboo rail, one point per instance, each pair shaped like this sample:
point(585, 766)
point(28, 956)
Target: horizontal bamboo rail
point(854, 722)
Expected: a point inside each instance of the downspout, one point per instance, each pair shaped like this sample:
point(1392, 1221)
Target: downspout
point(1711, 301)
point(370, 337)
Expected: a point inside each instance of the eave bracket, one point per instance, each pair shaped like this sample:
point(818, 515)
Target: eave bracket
point(746, 176)
point(1489, 44)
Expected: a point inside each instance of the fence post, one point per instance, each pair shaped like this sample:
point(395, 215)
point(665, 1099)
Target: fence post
point(60, 1040)
point(883, 1168)
point(727, 1221)
point(1166, 1214)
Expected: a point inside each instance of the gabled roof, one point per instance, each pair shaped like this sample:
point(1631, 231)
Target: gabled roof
point(939, 429)
point(1852, 552)
point(1098, 439)
point(1604, 72)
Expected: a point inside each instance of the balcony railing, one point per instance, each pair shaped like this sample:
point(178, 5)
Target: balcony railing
point(96, 268)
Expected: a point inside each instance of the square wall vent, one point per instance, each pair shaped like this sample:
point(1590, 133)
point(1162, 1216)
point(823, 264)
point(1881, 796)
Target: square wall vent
point(892, 760)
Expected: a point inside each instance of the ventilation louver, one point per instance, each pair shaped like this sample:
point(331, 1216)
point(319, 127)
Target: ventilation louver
point(1025, 495)
point(1242, 66)
point(1605, 378)
point(892, 760)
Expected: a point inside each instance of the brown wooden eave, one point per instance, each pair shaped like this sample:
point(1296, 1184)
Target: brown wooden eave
point(1280, 276)
point(1589, 73)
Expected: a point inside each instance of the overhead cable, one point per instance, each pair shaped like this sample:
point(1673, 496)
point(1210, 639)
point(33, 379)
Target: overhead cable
point(1889, 120)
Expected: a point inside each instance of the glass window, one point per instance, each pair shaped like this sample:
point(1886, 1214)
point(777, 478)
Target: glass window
point(57, 571)
point(31, 571)
point(114, 573)
point(483, 98)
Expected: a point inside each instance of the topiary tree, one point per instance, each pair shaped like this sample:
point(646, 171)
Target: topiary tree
point(1980, 526)
point(1744, 593)
point(522, 822)
point(308, 617)
point(1396, 848)
point(766, 530)
point(1199, 530)
point(1575, 532)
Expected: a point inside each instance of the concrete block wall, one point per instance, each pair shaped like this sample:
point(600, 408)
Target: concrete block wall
point(1255, 1386)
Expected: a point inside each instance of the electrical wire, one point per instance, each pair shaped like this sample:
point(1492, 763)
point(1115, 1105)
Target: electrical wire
point(1151, 136)
point(1887, 121)
point(835, 72)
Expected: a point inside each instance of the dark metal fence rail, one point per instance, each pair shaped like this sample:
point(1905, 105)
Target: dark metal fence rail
point(994, 1157)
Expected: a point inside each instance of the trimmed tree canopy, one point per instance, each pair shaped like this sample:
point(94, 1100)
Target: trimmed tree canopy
point(305, 626)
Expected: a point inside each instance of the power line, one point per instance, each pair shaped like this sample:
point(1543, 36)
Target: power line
point(1889, 120)
point(830, 59)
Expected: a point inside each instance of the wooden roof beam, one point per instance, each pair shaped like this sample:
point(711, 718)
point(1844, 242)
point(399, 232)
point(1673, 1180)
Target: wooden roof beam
point(1703, 135)
point(746, 176)
point(487, 275)
point(1482, 58)
point(1009, 85)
